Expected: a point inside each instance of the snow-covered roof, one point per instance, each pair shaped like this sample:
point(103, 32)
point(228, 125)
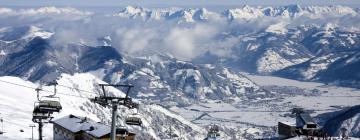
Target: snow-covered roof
point(307, 118)
point(289, 123)
point(76, 124)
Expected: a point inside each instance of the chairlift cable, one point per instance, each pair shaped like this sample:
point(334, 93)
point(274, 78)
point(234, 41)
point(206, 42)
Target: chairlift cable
point(76, 89)
point(19, 75)
point(42, 90)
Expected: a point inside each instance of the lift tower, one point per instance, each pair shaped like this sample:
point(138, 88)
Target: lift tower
point(44, 108)
point(113, 102)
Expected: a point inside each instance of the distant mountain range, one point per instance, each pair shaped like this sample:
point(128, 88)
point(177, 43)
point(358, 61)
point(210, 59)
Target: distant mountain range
point(278, 49)
point(324, 51)
point(158, 77)
point(244, 12)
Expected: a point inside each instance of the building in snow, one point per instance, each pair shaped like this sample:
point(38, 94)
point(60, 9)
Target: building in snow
point(72, 127)
point(304, 125)
point(213, 133)
point(306, 122)
point(286, 130)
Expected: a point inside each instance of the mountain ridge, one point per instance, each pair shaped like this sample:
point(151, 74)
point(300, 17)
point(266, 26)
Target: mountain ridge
point(244, 12)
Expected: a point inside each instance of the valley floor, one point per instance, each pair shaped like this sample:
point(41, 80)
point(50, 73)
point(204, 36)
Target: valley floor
point(256, 116)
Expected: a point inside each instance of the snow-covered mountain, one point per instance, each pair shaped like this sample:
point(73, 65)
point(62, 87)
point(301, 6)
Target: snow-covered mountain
point(185, 80)
point(178, 14)
point(347, 119)
point(158, 77)
point(14, 39)
point(268, 51)
point(334, 57)
point(271, 48)
point(245, 12)
point(303, 53)
point(339, 68)
point(9, 34)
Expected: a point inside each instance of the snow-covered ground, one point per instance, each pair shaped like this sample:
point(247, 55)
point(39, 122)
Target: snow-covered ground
point(16, 108)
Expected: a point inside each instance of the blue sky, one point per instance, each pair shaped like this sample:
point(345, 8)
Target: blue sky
point(154, 3)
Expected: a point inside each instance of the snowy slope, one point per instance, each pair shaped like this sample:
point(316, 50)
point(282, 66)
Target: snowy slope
point(74, 101)
point(16, 108)
point(159, 74)
point(348, 118)
point(336, 68)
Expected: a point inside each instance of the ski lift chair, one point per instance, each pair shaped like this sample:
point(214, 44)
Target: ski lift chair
point(50, 105)
point(122, 132)
point(39, 114)
point(133, 119)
